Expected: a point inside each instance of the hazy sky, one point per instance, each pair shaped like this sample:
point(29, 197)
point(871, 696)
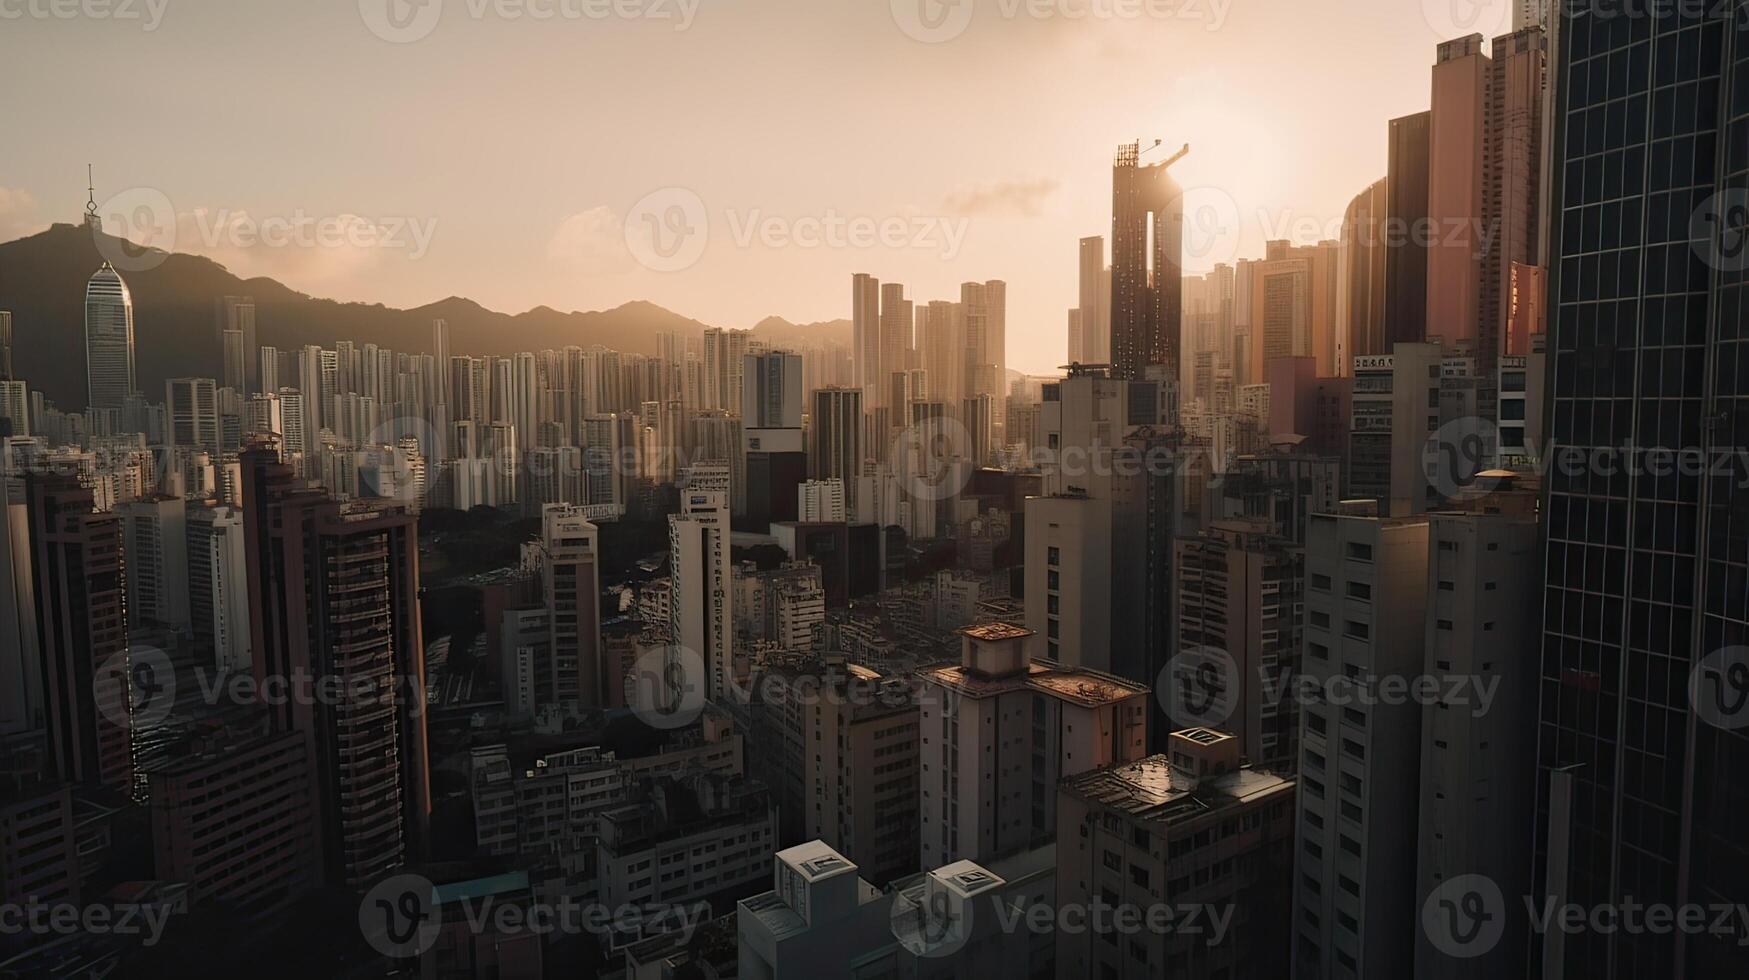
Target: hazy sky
point(501, 155)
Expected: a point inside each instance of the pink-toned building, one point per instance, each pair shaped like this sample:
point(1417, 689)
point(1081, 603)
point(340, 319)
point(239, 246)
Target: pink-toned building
point(1455, 190)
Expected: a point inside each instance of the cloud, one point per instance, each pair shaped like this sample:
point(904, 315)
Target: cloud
point(18, 215)
point(592, 241)
point(1023, 198)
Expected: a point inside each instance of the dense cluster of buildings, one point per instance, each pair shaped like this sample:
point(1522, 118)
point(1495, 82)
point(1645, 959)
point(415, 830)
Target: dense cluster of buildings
point(1268, 639)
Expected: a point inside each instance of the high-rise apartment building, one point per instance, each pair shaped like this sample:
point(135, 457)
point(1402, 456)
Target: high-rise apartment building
point(232, 815)
point(838, 744)
point(1190, 828)
point(21, 666)
point(571, 575)
point(82, 632)
point(1239, 595)
point(865, 322)
point(155, 542)
point(234, 320)
point(1355, 913)
point(334, 593)
point(1477, 765)
point(218, 584)
point(1396, 410)
point(191, 408)
point(702, 608)
point(1000, 729)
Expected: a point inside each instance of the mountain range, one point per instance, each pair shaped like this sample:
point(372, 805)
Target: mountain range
point(42, 282)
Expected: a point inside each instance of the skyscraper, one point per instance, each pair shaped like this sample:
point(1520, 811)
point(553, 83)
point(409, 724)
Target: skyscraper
point(1406, 230)
point(6, 345)
point(570, 548)
point(109, 340)
point(1147, 264)
point(192, 412)
point(235, 320)
point(1363, 263)
point(1512, 199)
point(865, 326)
point(82, 631)
point(896, 338)
point(1459, 124)
point(1095, 308)
point(1641, 788)
point(835, 435)
point(334, 597)
point(702, 607)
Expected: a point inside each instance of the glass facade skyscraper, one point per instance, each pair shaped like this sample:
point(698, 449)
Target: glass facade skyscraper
point(109, 339)
point(1648, 560)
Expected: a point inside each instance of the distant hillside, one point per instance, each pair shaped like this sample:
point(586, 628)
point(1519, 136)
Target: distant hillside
point(42, 281)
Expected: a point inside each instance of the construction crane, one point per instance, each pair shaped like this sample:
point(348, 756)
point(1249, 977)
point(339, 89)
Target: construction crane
point(1181, 154)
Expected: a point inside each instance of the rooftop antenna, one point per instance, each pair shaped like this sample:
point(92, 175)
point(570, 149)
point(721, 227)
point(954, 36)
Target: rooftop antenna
point(91, 199)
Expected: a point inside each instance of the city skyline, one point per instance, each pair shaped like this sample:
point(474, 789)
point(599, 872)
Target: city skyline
point(554, 236)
